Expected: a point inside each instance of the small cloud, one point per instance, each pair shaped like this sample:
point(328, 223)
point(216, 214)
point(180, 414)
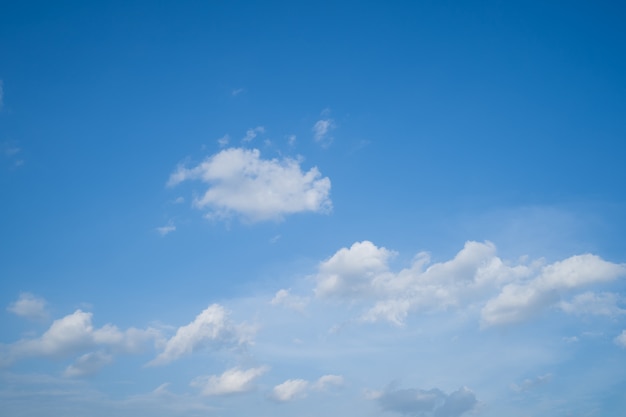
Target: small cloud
point(621, 339)
point(529, 384)
point(88, 364)
point(275, 239)
point(237, 91)
point(223, 141)
point(290, 390)
point(321, 131)
point(179, 200)
point(165, 230)
point(293, 302)
point(291, 140)
point(232, 381)
point(571, 339)
point(327, 381)
point(29, 306)
point(253, 133)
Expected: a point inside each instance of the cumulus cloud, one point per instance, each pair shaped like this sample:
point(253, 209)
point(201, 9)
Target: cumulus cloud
point(240, 182)
point(290, 390)
point(287, 300)
point(88, 364)
point(621, 339)
point(426, 403)
point(508, 292)
point(519, 301)
point(29, 306)
point(232, 381)
point(75, 333)
point(211, 329)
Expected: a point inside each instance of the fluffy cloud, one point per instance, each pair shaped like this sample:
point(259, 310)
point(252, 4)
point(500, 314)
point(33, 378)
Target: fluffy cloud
point(290, 390)
point(232, 381)
point(29, 306)
point(75, 333)
point(519, 301)
point(621, 339)
point(508, 292)
point(433, 402)
point(327, 381)
point(211, 329)
point(242, 183)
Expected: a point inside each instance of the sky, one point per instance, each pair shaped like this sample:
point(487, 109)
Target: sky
point(306, 209)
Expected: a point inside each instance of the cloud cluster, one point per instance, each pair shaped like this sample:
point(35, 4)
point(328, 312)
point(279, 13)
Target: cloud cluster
point(211, 329)
point(241, 182)
point(74, 334)
point(508, 292)
point(232, 381)
point(426, 403)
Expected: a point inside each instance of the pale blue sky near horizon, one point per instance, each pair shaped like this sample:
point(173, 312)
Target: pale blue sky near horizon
point(312, 208)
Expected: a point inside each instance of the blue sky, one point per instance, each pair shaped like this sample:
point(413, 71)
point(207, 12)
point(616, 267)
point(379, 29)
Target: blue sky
point(310, 208)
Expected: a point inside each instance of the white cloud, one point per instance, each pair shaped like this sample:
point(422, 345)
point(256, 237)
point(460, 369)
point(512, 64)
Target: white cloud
point(88, 364)
point(285, 299)
point(589, 303)
point(212, 329)
point(253, 133)
point(232, 381)
point(165, 230)
point(362, 274)
point(75, 333)
point(223, 141)
point(621, 339)
point(290, 390)
point(238, 91)
point(519, 301)
point(291, 140)
point(242, 183)
point(327, 381)
point(29, 306)
point(426, 403)
point(321, 131)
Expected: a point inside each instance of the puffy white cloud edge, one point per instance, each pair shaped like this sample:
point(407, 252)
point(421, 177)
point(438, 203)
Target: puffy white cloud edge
point(241, 183)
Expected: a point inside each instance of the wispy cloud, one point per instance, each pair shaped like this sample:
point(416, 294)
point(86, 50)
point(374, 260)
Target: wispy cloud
point(253, 133)
point(165, 230)
point(237, 91)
